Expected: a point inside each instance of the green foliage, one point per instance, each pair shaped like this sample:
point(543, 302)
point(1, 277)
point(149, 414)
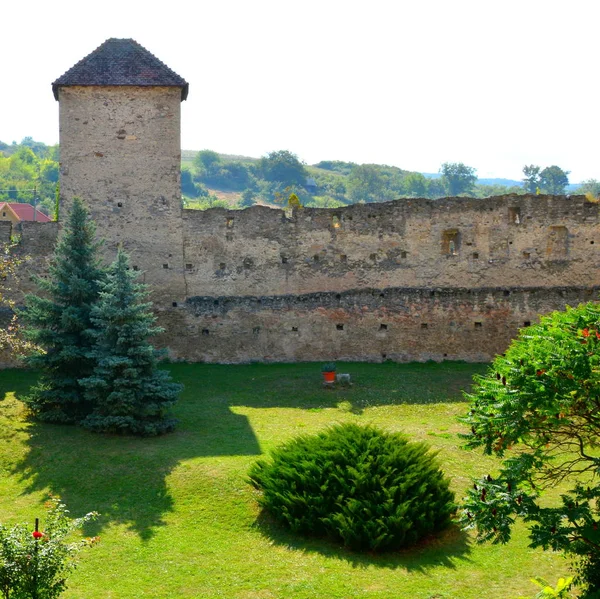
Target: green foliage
point(248, 198)
point(328, 367)
point(207, 161)
point(458, 178)
point(560, 591)
point(28, 172)
point(282, 167)
point(324, 202)
point(36, 568)
point(127, 390)
point(588, 576)
point(591, 186)
point(188, 187)
point(336, 165)
point(294, 201)
point(366, 184)
point(59, 322)
point(371, 490)
point(415, 185)
point(543, 397)
point(554, 180)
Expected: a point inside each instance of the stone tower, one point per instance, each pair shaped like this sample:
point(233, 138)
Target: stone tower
point(120, 151)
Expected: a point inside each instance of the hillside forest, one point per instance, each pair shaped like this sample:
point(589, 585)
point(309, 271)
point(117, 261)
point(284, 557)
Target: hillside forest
point(29, 173)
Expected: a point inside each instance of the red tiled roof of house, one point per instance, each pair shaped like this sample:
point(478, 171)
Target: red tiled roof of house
point(25, 212)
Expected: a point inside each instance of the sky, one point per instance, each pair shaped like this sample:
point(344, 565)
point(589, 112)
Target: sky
point(409, 83)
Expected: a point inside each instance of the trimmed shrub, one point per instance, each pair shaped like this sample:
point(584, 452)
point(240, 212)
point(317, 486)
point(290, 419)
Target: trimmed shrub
point(372, 490)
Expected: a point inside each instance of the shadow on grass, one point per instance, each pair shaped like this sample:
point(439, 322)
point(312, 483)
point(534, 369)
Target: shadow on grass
point(122, 478)
point(444, 550)
point(125, 479)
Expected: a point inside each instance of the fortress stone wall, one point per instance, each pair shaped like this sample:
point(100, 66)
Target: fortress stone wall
point(404, 280)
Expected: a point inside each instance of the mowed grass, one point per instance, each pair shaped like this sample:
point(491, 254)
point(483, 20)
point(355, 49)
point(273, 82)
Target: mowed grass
point(178, 518)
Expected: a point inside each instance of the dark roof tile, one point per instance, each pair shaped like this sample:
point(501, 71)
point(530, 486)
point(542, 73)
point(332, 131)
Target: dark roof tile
point(121, 62)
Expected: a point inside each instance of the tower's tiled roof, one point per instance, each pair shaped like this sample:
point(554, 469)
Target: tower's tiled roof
point(121, 62)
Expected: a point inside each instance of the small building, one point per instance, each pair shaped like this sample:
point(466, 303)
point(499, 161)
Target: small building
point(16, 213)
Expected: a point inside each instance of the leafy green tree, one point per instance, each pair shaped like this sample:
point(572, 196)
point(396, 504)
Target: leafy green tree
point(458, 178)
point(365, 183)
point(554, 180)
point(128, 391)
point(35, 564)
point(435, 188)
point(542, 398)
point(531, 180)
point(59, 322)
point(283, 167)
point(207, 161)
point(188, 186)
point(415, 185)
point(248, 198)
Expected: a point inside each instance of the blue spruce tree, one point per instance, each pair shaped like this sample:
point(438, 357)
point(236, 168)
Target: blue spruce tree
point(59, 322)
point(127, 390)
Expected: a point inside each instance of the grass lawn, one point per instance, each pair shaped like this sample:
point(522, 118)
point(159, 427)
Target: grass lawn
point(179, 520)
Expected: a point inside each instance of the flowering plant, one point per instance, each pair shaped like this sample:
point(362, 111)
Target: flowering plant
point(36, 564)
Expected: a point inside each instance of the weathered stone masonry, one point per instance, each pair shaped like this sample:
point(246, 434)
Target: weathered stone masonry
point(405, 280)
point(381, 281)
point(369, 282)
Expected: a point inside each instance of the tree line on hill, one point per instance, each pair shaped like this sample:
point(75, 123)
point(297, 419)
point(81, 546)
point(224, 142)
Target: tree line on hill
point(29, 172)
point(273, 178)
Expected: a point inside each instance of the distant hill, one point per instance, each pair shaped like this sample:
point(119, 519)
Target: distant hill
point(500, 181)
point(486, 181)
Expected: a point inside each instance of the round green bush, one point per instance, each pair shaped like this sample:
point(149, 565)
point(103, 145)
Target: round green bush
point(372, 490)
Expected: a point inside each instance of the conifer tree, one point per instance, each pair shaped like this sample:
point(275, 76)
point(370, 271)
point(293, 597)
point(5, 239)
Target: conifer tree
point(59, 322)
point(130, 394)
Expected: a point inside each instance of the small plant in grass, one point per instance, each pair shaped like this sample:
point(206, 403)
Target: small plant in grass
point(372, 490)
point(34, 564)
point(560, 591)
point(328, 367)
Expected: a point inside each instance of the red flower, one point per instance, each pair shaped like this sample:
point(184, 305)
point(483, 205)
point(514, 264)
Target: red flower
point(37, 534)
point(540, 372)
point(597, 335)
point(585, 332)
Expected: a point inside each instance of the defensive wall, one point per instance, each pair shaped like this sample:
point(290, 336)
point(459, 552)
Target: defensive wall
point(405, 280)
